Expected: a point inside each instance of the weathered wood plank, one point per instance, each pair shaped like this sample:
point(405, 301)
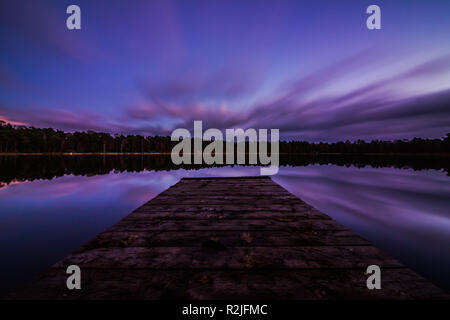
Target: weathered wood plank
point(172, 224)
point(310, 284)
point(214, 255)
point(226, 238)
point(218, 215)
point(230, 206)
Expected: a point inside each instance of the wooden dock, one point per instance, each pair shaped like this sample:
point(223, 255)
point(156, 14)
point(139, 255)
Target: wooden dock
point(228, 238)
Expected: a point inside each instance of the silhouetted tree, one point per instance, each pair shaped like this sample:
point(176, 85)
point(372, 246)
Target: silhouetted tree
point(20, 139)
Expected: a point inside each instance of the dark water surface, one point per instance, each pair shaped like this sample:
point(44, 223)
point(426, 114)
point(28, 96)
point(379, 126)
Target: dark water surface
point(50, 206)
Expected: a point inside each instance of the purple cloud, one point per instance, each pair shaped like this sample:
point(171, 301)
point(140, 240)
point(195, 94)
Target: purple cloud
point(369, 111)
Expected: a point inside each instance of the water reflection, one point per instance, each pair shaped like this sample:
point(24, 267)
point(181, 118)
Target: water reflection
point(404, 212)
point(29, 168)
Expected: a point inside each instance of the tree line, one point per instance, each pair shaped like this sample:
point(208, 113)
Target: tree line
point(21, 139)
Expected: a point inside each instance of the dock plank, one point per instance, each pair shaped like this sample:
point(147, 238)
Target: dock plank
point(307, 284)
point(228, 238)
point(217, 256)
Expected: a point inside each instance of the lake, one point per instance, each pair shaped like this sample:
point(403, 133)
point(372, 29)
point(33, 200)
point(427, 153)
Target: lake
point(51, 205)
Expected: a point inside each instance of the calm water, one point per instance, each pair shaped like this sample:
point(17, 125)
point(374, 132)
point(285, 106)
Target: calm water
point(404, 212)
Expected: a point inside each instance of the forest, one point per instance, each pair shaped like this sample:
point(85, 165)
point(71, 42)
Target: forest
point(21, 139)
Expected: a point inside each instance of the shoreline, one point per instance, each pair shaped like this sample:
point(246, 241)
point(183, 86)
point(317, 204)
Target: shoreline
point(439, 154)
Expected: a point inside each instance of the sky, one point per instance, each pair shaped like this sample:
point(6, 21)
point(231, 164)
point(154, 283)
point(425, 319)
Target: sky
point(309, 68)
